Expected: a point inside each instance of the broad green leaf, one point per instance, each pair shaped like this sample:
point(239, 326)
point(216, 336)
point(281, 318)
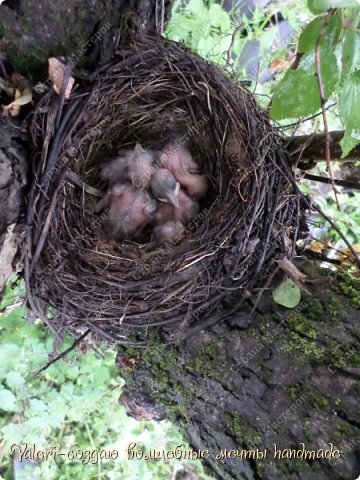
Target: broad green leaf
point(349, 107)
point(14, 380)
point(329, 37)
point(320, 6)
point(332, 32)
point(38, 422)
point(37, 406)
point(219, 17)
point(101, 375)
point(9, 354)
point(310, 34)
point(329, 69)
point(198, 7)
point(287, 294)
point(350, 55)
point(13, 319)
point(13, 433)
point(296, 95)
point(8, 401)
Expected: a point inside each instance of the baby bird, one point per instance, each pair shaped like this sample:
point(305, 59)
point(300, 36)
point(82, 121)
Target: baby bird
point(130, 210)
point(140, 167)
point(134, 165)
point(168, 231)
point(179, 162)
point(164, 187)
point(186, 210)
point(116, 171)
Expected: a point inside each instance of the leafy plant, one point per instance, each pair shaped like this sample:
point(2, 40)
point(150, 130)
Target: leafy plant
point(330, 42)
point(72, 405)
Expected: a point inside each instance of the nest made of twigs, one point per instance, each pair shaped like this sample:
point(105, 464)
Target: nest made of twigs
point(153, 93)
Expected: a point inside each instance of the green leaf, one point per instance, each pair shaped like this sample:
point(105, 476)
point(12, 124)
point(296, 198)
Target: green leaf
point(329, 69)
point(310, 34)
point(8, 401)
point(320, 6)
point(14, 320)
point(287, 294)
point(198, 7)
point(14, 380)
point(9, 354)
point(350, 55)
point(13, 291)
point(101, 375)
point(219, 17)
point(332, 32)
point(38, 406)
point(348, 50)
point(349, 104)
point(296, 95)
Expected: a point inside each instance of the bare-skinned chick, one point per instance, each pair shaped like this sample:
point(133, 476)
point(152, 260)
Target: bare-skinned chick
point(130, 210)
point(134, 165)
point(186, 210)
point(168, 231)
point(164, 187)
point(179, 162)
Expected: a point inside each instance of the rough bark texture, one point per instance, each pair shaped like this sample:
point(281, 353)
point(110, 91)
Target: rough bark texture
point(13, 169)
point(282, 377)
point(312, 148)
point(32, 30)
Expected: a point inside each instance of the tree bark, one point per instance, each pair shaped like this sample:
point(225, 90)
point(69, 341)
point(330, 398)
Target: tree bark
point(31, 31)
point(13, 179)
point(268, 382)
point(311, 148)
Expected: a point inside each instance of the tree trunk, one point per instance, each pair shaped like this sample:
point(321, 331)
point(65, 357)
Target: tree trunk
point(13, 179)
point(264, 383)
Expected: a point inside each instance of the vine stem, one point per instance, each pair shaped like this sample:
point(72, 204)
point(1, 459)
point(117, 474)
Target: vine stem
point(324, 115)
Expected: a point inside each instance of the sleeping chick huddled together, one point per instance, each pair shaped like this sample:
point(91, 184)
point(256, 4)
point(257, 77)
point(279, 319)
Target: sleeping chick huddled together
point(150, 188)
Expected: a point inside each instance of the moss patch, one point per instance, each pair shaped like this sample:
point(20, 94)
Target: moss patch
point(350, 287)
point(244, 432)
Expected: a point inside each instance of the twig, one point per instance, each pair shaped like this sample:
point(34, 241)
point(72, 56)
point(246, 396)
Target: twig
point(47, 223)
point(340, 183)
point(296, 124)
point(162, 17)
point(336, 228)
point(229, 52)
point(64, 353)
point(66, 78)
point(324, 115)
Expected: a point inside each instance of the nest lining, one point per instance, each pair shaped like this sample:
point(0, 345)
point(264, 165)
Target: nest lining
point(152, 94)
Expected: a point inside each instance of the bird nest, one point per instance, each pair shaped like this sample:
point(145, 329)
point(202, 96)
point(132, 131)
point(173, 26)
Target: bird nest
point(151, 94)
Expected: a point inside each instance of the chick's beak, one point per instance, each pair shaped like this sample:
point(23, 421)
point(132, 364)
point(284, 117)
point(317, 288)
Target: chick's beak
point(173, 196)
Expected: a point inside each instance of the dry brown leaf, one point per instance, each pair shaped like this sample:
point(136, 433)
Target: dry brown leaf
point(281, 64)
point(56, 74)
point(21, 98)
point(319, 247)
point(347, 258)
point(18, 81)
